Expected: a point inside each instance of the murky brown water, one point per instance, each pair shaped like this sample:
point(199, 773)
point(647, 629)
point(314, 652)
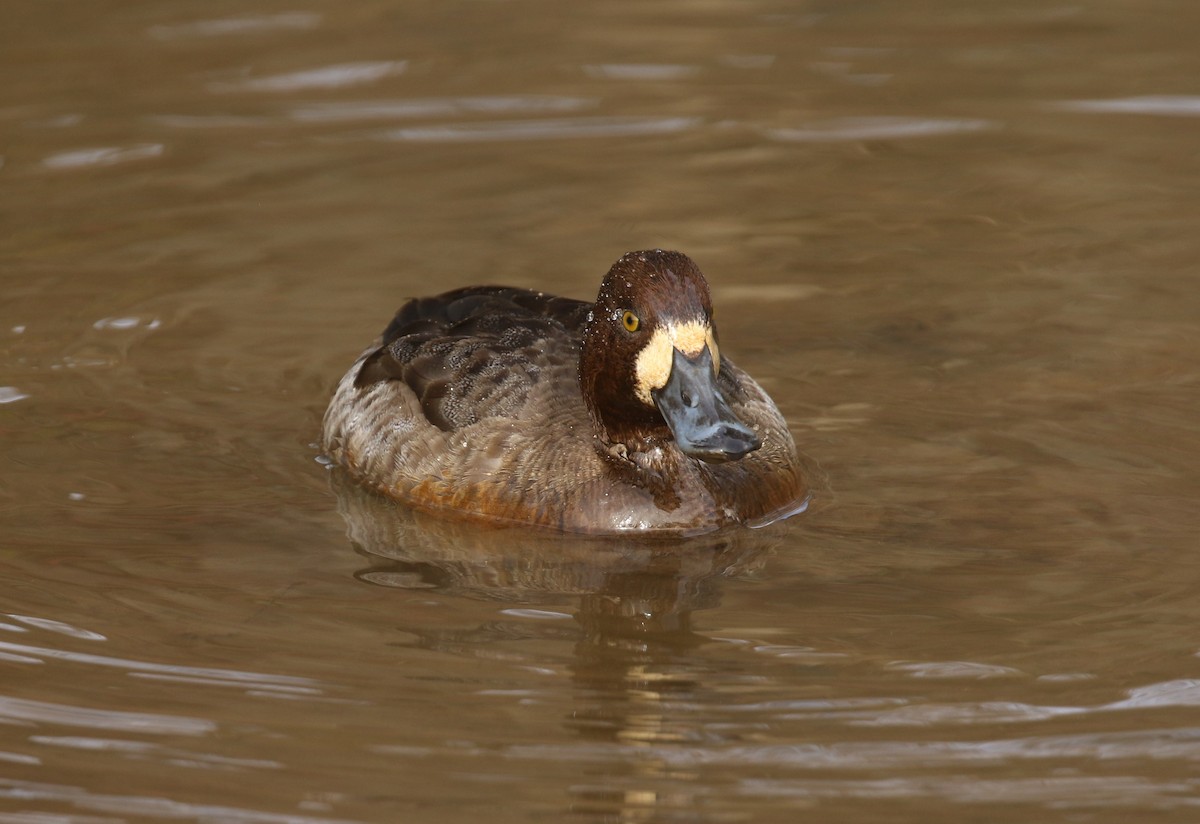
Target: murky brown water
point(955, 240)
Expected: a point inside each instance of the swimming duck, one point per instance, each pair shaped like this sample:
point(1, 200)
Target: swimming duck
point(515, 406)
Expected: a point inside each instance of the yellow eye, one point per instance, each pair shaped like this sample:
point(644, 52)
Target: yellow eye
point(630, 321)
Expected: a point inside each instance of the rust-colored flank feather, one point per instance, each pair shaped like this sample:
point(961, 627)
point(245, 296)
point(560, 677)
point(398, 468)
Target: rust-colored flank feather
point(514, 406)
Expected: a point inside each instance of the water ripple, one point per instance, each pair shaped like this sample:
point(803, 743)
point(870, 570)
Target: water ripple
point(641, 71)
point(60, 627)
point(336, 112)
point(1172, 743)
point(537, 614)
point(878, 128)
point(1177, 693)
point(1061, 791)
point(26, 710)
point(163, 808)
point(1180, 105)
point(1184, 692)
point(146, 748)
point(256, 680)
point(224, 682)
point(19, 758)
point(952, 669)
point(295, 20)
point(546, 129)
point(983, 712)
point(207, 121)
point(102, 156)
point(126, 323)
point(326, 77)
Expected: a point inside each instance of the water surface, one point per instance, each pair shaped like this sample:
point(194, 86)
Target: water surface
point(955, 241)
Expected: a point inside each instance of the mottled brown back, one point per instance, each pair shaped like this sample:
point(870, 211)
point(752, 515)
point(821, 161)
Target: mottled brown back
point(475, 353)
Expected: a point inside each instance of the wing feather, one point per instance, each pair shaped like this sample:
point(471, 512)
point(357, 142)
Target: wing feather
point(475, 353)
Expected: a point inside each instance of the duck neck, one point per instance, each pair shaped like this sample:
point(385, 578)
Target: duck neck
point(620, 418)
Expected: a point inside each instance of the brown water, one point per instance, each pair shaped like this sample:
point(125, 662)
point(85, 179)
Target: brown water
point(955, 240)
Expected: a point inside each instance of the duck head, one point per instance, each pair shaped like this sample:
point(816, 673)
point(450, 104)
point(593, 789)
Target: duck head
point(650, 360)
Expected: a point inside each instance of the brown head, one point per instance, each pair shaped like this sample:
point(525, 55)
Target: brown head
point(650, 360)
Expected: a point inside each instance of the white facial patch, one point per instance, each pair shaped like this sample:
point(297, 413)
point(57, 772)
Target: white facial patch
point(652, 369)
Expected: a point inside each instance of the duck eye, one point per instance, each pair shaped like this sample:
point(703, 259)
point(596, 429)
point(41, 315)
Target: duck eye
point(630, 321)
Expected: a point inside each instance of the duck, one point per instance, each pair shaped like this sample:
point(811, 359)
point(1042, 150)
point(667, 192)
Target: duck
point(621, 416)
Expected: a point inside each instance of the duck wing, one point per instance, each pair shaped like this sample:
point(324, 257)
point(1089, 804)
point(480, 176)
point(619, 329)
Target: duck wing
point(477, 352)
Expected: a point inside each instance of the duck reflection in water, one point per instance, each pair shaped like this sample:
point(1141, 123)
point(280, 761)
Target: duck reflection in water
point(635, 597)
point(632, 641)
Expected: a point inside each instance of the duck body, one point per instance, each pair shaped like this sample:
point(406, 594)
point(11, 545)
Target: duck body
point(514, 406)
